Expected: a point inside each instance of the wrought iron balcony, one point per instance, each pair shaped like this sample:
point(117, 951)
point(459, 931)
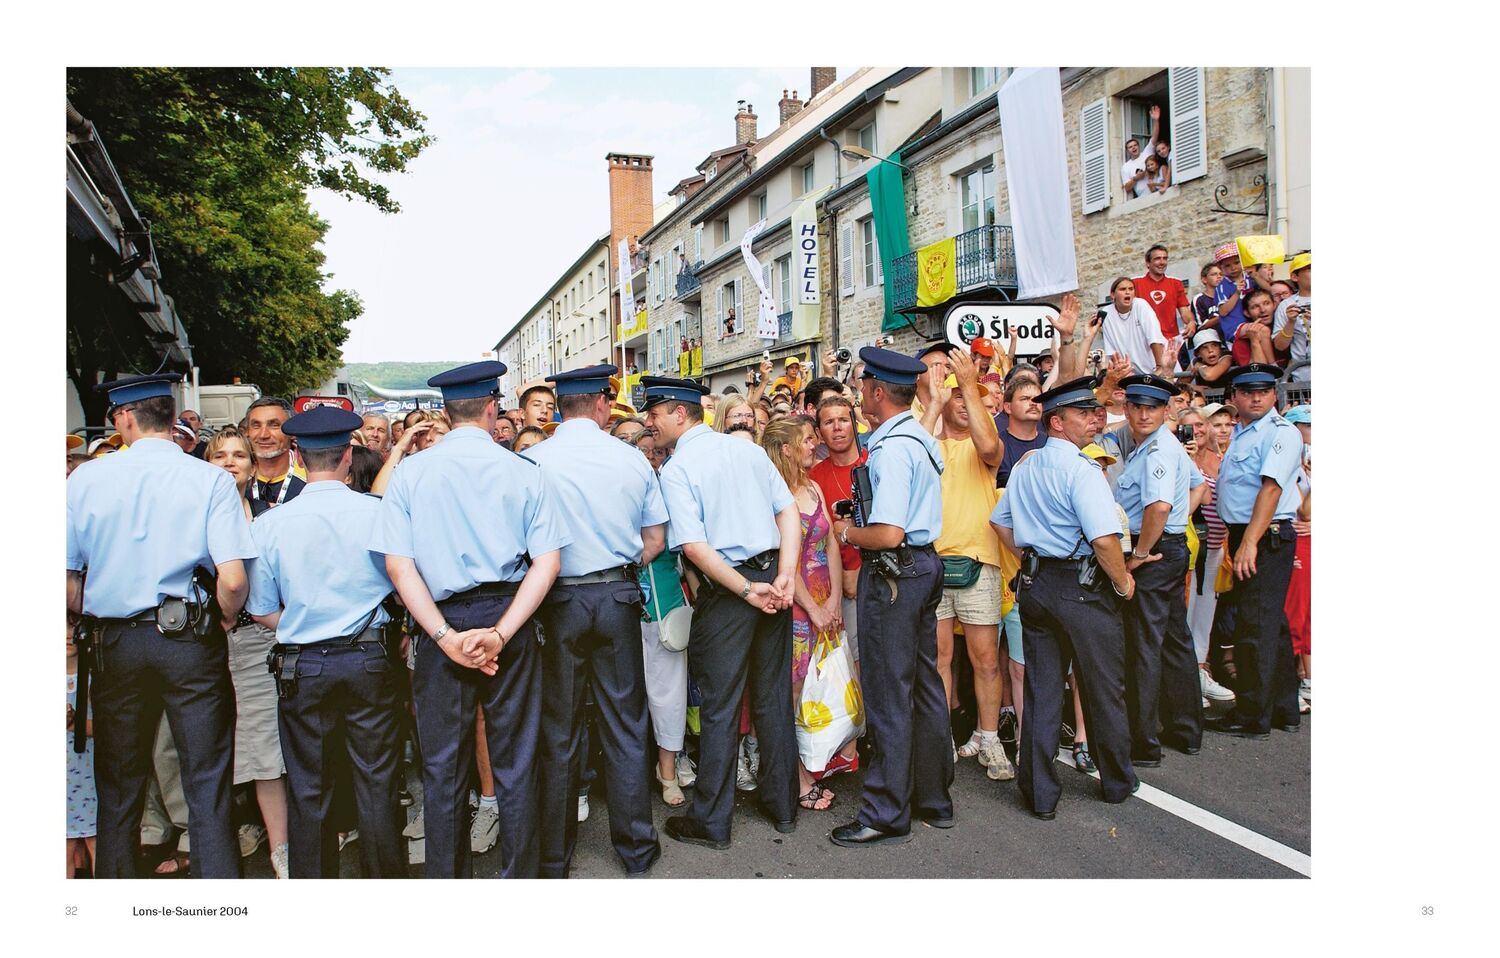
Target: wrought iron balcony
point(687, 280)
point(985, 256)
point(784, 327)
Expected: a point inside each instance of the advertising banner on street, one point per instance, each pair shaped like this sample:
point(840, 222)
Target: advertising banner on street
point(1031, 322)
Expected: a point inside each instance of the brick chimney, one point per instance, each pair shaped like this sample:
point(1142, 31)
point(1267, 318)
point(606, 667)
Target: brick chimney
point(790, 106)
point(745, 124)
point(822, 79)
point(629, 208)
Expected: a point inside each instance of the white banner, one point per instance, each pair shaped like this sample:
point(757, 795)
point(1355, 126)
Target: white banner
point(1031, 322)
point(1036, 175)
point(627, 301)
point(805, 250)
point(766, 324)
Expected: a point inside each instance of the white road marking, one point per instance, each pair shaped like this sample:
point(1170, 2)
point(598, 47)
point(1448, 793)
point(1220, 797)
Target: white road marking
point(1223, 827)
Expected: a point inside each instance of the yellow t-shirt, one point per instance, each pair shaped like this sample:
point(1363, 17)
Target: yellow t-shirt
point(969, 497)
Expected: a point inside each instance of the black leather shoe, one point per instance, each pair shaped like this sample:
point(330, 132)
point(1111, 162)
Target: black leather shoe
point(641, 872)
point(1045, 816)
point(684, 829)
point(1184, 749)
point(1287, 728)
point(855, 835)
point(936, 822)
point(785, 828)
point(1146, 762)
point(1236, 728)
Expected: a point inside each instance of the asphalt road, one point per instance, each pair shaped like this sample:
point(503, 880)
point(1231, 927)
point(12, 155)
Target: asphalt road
point(1263, 786)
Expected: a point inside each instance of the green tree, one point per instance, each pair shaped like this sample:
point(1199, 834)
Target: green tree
point(219, 160)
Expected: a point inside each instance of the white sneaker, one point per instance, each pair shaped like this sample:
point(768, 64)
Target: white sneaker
point(1304, 691)
point(752, 753)
point(348, 838)
point(686, 773)
point(417, 827)
point(251, 837)
point(1211, 689)
point(992, 757)
point(484, 831)
point(1205, 705)
point(583, 807)
point(279, 860)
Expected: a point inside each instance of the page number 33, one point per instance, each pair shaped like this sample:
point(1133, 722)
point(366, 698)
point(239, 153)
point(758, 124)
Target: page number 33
point(1427, 911)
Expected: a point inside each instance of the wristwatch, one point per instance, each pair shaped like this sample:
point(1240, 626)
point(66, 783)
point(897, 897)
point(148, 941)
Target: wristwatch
point(442, 631)
point(844, 536)
point(745, 592)
point(1138, 556)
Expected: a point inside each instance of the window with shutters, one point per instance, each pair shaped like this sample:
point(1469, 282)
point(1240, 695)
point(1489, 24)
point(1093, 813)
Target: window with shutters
point(784, 269)
point(1179, 142)
point(869, 251)
point(846, 259)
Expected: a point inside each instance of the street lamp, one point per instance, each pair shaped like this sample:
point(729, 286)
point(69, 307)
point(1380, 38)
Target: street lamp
point(860, 153)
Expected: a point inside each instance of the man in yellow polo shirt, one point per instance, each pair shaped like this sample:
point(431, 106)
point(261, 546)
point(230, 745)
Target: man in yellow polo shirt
point(969, 548)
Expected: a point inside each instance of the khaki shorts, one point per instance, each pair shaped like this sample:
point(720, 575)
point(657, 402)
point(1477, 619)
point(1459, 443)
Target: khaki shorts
point(979, 604)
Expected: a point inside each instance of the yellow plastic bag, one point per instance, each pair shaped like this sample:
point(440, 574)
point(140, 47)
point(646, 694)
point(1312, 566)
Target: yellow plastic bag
point(832, 710)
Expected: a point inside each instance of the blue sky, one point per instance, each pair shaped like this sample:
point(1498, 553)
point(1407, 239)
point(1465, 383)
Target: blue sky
point(515, 188)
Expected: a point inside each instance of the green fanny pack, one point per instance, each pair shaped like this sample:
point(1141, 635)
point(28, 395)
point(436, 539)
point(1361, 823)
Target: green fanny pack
point(960, 572)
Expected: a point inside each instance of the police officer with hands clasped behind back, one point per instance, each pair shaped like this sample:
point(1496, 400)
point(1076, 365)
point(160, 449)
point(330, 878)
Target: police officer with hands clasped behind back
point(471, 541)
point(734, 519)
point(1257, 499)
point(900, 585)
point(611, 503)
point(1071, 586)
point(1161, 665)
point(322, 590)
point(145, 526)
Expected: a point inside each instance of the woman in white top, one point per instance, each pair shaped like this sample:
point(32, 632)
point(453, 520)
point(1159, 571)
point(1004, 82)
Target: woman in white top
point(1131, 330)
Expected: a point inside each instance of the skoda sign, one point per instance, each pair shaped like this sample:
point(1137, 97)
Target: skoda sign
point(1032, 323)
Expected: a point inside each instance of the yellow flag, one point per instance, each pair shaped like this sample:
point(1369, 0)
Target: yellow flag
point(1255, 250)
point(682, 364)
point(695, 367)
point(937, 272)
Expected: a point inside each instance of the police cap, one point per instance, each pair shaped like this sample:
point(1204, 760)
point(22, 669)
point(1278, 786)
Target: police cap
point(580, 382)
point(135, 388)
point(660, 389)
point(471, 381)
point(891, 367)
point(1078, 393)
point(1253, 376)
point(322, 427)
point(1149, 390)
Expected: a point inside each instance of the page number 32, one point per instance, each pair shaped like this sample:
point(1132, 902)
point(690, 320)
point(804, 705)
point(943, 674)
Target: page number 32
point(70, 910)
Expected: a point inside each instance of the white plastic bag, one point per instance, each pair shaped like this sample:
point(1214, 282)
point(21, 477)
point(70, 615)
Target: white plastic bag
point(832, 710)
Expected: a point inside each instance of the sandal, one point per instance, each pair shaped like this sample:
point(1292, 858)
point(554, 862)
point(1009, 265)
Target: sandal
point(1082, 760)
point(970, 748)
point(813, 800)
point(839, 764)
point(178, 861)
point(671, 792)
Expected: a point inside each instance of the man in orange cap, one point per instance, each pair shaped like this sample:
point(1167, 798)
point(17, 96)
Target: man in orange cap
point(983, 349)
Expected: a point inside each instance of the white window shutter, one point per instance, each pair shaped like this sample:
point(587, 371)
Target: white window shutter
point(846, 259)
point(739, 306)
point(719, 309)
point(1093, 146)
point(875, 251)
point(1188, 122)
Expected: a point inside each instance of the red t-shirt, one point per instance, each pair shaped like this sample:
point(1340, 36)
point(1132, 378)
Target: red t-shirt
point(1165, 298)
point(835, 483)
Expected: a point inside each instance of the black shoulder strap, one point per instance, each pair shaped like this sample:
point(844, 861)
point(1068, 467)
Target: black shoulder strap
point(902, 435)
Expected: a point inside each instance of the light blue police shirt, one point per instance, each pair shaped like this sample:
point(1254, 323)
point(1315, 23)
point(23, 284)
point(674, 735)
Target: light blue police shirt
point(142, 519)
point(605, 491)
point(313, 565)
point(1057, 502)
point(723, 491)
point(1269, 447)
point(908, 487)
point(467, 510)
point(1158, 470)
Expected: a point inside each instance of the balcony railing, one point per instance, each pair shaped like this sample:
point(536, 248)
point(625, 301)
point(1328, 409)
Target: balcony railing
point(784, 327)
point(985, 256)
point(687, 280)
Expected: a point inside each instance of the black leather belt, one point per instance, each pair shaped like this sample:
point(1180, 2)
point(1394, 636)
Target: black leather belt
point(1064, 563)
point(485, 588)
point(624, 573)
point(761, 562)
point(375, 633)
point(140, 618)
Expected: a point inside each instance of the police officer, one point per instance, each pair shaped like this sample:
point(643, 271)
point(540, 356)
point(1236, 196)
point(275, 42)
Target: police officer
point(734, 519)
point(1072, 583)
point(321, 589)
point(1160, 662)
point(456, 526)
point(1257, 498)
point(900, 585)
point(611, 504)
point(139, 524)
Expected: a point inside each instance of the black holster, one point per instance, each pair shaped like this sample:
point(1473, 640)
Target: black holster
point(1089, 576)
point(282, 664)
point(86, 642)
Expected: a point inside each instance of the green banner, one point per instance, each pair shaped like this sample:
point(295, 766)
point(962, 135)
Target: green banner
point(888, 206)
